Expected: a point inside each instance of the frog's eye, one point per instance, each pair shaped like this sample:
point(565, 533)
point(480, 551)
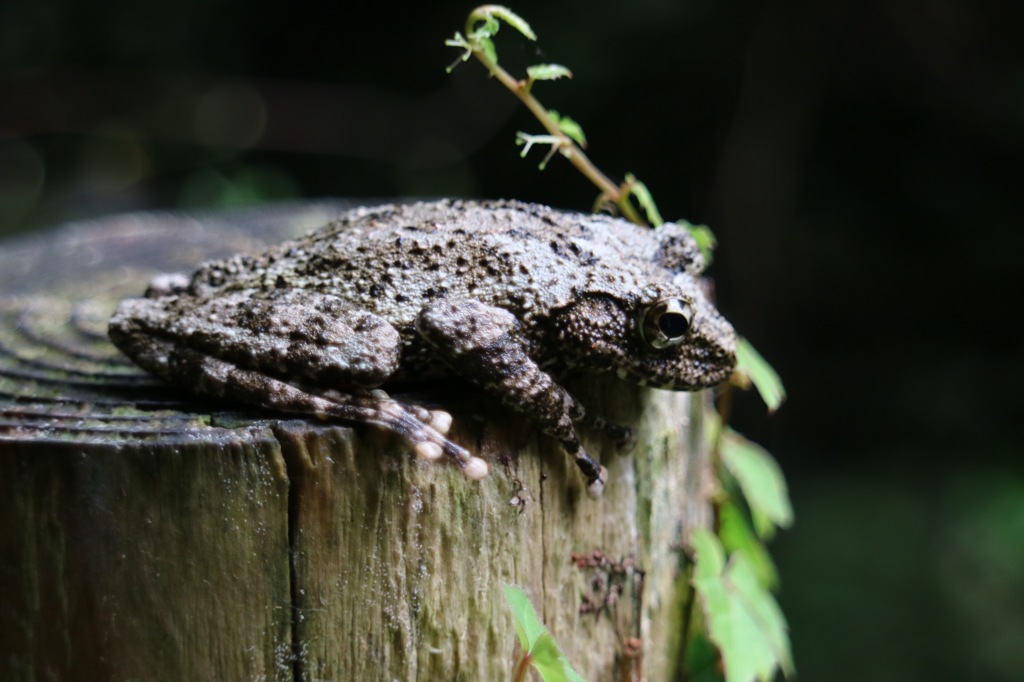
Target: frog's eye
point(666, 323)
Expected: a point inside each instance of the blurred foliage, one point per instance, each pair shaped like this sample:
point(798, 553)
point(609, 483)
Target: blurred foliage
point(742, 617)
point(861, 164)
point(891, 576)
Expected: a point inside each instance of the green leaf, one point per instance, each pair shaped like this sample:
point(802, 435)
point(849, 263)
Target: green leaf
point(547, 657)
point(480, 36)
point(570, 127)
point(710, 555)
point(742, 617)
point(487, 27)
point(644, 198)
point(702, 660)
point(548, 72)
point(512, 19)
point(737, 536)
point(756, 369)
point(528, 625)
point(545, 654)
point(759, 602)
point(761, 480)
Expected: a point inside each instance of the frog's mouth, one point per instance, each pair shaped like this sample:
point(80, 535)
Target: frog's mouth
point(692, 372)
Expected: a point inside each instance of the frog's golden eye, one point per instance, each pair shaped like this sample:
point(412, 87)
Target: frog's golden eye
point(666, 323)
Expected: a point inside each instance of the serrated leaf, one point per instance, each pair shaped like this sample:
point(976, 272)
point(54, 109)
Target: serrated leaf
point(512, 19)
point(487, 27)
point(742, 617)
point(528, 625)
point(548, 72)
point(644, 198)
point(570, 127)
point(750, 364)
point(737, 536)
point(760, 479)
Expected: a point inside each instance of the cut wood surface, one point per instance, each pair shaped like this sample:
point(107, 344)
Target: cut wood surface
point(147, 535)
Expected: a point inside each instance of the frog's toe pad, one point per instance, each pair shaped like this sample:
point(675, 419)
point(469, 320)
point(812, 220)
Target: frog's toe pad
point(440, 421)
point(475, 469)
point(596, 487)
point(428, 450)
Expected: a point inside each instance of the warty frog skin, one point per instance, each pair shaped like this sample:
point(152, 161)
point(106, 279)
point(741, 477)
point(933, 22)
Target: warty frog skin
point(509, 296)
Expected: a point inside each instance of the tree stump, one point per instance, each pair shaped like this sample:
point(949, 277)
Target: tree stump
point(148, 534)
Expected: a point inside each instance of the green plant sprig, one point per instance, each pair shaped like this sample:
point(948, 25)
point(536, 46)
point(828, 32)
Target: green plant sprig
point(540, 650)
point(481, 26)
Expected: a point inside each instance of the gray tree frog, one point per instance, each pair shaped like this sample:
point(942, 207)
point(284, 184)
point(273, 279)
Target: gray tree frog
point(507, 295)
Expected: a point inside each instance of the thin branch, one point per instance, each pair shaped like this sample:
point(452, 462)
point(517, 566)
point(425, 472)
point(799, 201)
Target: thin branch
point(618, 194)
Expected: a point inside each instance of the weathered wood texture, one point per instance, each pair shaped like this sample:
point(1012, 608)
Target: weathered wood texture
point(147, 535)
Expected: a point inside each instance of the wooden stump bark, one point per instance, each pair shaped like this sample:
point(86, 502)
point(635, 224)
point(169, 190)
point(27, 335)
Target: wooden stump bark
point(146, 534)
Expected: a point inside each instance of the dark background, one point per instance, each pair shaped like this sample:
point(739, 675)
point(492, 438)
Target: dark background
point(862, 164)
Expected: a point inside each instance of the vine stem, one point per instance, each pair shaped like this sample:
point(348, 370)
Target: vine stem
point(522, 667)
point(618, 194)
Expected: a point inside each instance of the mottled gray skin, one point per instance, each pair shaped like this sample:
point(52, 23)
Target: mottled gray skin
point(510, 296)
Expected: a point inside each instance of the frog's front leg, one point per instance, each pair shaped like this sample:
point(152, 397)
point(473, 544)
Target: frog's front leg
point(481, 343)
point(291, 351)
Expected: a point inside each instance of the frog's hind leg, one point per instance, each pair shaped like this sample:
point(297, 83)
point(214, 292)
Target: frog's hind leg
point(222, 379)
point(281, 350)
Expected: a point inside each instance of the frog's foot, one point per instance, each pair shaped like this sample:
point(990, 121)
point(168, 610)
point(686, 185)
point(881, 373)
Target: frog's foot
point(439, 420)
point(595, 474)
point(424, 429)
point(596, 487)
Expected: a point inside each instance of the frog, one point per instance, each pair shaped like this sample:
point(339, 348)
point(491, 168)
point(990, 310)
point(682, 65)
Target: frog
point(509, 296)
